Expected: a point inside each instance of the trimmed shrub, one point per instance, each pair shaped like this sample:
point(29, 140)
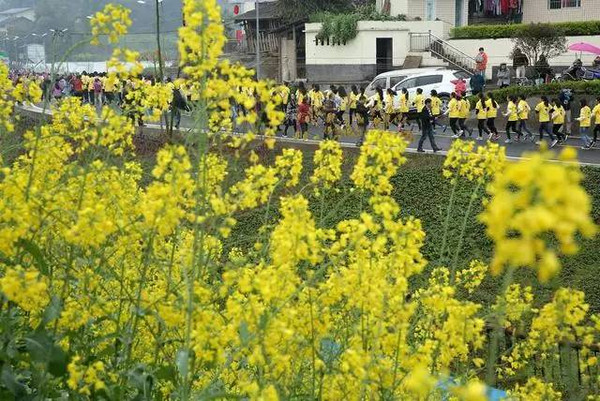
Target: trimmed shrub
point(583, 28)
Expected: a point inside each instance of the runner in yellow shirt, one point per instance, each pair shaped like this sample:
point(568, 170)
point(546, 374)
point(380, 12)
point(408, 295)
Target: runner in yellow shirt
point(465, 111)
point(543, 111)
point(492, 112)
point(404, 108)
point(419, 104)
point(436, 108)
point(481, 113)
point(316, 103)
point(523, 109)
point(585, 122)
point(352, 102)
point(454, 110)
point(596, 115)
point(512, 114)
point(558, 115)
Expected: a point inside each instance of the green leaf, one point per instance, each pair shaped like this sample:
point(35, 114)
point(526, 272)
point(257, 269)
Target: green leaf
point(244, 333)
point(36, 254)
point(11, 383)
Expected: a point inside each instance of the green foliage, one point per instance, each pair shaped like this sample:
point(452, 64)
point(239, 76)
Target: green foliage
point(591, 88)
point(340, 28)
point(582, 28)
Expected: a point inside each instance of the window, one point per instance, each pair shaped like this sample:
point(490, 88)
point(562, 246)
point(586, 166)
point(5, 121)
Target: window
point(395, 80)
point(429, 80)
point(558, 4)
point(409, 83)
point(462, 74)
point(379, 83)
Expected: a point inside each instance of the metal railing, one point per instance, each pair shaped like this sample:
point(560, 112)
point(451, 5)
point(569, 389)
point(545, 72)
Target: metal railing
point(428, 42)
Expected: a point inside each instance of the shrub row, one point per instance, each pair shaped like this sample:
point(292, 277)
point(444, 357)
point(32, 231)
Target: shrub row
point(584, 28)
point(554, 88)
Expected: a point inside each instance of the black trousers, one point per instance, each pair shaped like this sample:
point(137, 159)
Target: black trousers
point(427, 133)
point(556, 131)
point(482, 128)
point(491, 124)
point(512, 125)
point(596, 131)
point(454, 125)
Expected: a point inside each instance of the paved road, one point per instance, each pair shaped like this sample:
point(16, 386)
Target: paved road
point(443, 139)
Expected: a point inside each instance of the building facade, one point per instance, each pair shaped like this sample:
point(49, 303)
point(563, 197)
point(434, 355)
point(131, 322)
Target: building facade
point(560, 10)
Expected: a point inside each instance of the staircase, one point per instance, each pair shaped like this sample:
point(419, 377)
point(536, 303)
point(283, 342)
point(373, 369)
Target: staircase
point(441, 49)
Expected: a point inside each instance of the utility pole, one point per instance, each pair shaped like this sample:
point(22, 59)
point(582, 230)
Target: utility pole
point(158, 3)
point(257, 42)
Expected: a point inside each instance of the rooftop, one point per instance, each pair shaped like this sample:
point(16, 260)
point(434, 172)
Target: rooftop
point(266, 10)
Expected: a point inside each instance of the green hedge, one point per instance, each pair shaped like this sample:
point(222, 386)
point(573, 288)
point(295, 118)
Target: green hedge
point(586, 28)
point(591, 88)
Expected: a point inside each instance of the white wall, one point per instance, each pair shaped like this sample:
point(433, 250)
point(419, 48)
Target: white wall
point(362, 49)
point(539, 11)
point(499, 50)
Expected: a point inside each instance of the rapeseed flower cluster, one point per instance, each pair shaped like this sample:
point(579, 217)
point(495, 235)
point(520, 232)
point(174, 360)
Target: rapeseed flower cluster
point(530, 201)
point(136, 282)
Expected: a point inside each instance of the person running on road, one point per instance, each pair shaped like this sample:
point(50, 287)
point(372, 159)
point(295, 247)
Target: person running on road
point(453, 112)
point(303, 116)
point(558, 119)
point(596, 115)
point(404, 107)
point(419, 104)
point(329, 110)
point(481, 113)
point(492, 113)
point(543, 111)
point(465, 111)
point(362, 118)
point(513, 116)
point(352, 99)
point(585, 121)
point(436, 108)
point(291, 112)
point(523, 108)
point(342, 101)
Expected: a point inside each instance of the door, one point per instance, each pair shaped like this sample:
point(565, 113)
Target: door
point(384, 55)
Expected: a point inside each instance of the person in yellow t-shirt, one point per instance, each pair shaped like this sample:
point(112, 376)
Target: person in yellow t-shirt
point(284, 92)
point(596, 116)
point(585, 122)
point(465, 111)
point(492, 112)
point(404, 106)
point(481, 114)
point(543, 111)
point(436, 108)
point(317, 99)
point(419, 104)
point(558, 115)
point(454, 109)
point(512, 114)
point(523, 109)
point(85, 82)
point(352, 103)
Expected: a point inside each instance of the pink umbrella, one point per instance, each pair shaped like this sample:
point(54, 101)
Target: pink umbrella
point(584, 47)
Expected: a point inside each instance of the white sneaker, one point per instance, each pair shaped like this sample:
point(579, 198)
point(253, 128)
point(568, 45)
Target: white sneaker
point(538, 143)
point(553, 144)
point(455, 136)
point(479, 139)
point(508, 141)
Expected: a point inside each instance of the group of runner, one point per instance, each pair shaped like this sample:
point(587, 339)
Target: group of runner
point(340, 112)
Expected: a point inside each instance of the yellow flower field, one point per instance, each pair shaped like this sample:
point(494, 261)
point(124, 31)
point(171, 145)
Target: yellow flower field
point(117, 287)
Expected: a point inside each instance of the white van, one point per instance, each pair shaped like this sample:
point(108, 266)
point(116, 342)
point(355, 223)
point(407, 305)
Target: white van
point(390, 79)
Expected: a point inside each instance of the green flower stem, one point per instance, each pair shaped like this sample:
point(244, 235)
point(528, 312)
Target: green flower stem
point(447, 221)
point(461, 237)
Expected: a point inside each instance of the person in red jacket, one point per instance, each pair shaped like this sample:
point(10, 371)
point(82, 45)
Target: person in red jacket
point(303, 117)
point(481, 61)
